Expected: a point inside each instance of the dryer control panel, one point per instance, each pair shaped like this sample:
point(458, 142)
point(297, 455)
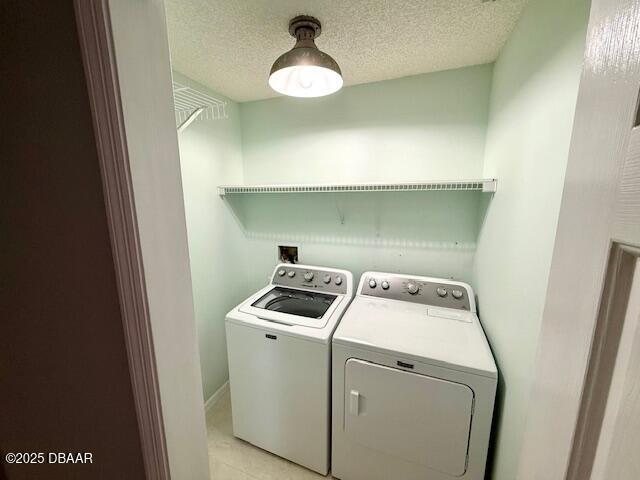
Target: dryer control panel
point(423, 290)
point(308, 277)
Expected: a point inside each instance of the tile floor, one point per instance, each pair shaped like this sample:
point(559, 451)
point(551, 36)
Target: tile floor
point(234, 459)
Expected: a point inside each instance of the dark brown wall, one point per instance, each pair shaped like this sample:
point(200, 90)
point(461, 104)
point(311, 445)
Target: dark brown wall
point(64, 380)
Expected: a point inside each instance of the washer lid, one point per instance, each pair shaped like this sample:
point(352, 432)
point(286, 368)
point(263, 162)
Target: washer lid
point(293, 307)
point(295, 302)
point(424, 334)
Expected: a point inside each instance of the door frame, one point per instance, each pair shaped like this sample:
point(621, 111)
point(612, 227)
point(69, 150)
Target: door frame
point(126, 58)
point(96, 42)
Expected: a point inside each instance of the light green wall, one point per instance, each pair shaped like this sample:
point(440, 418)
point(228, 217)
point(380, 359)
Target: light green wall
point(533, 97)
point(210, 155)
point(412, 232)
point(428, 126)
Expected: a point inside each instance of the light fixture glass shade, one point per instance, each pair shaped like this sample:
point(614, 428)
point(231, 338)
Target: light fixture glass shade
point(305, 70)
point(305, 81)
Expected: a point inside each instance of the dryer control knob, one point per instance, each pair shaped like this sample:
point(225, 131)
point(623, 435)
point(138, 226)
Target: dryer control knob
point(385, 285)
point(338, 280)
point(412, 288)
point(442, 292)
point(281, 272)
point(308, 276)
point(372, 283)
point(327, 279)
point(457, 294)
point(291, 273)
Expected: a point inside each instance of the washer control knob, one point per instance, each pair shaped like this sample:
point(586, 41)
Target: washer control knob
point(385, 285)
point(442, 292)
point(281, 272)
point(412, 288)
point(291, 273)
point(308, 276)
point(372, 283)
point(327, 279)
point(456, 294)
point(338, 280)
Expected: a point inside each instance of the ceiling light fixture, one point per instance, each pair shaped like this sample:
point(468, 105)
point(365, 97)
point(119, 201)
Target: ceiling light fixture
point(305, 71)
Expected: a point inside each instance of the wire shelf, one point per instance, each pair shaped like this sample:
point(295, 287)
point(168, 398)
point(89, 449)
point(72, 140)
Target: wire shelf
point(482, 185)
point(188, 100)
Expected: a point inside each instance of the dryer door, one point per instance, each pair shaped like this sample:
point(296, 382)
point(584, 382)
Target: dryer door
point(418, 418)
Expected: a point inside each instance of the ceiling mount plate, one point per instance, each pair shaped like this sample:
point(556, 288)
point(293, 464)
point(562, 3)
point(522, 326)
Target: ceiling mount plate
point(305, 21)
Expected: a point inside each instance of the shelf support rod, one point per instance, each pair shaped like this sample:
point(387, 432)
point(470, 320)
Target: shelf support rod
point(190, 119)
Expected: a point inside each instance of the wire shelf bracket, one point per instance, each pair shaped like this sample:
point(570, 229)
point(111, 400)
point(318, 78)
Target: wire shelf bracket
point(191, 104)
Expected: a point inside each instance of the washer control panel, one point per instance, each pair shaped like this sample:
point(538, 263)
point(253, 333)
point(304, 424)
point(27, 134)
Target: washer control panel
point(310, 278)
point(417, 290)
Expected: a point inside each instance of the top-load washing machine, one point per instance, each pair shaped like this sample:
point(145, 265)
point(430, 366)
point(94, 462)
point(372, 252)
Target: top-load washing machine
point(414, 382)
point(279, 349)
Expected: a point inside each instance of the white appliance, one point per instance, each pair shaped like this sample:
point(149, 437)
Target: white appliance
point(279, 348)
point(414, 382)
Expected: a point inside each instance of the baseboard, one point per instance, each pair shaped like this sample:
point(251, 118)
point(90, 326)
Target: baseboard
point(217, 395)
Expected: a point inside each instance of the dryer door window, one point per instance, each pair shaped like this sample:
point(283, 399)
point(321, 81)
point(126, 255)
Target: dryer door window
point(418, 418)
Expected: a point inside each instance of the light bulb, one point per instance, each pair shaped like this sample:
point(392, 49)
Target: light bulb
point(314, 82)
point(305, 78)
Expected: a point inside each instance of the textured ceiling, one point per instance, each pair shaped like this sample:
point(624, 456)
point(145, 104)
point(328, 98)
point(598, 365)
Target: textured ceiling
point(230, 45)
